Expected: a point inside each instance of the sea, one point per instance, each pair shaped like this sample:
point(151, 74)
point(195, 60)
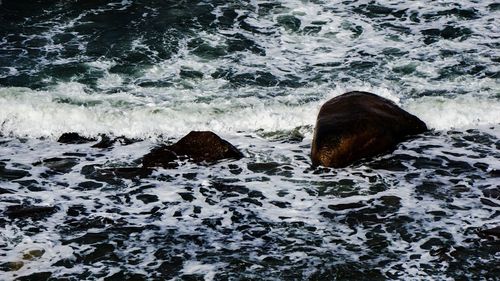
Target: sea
point(256, 72)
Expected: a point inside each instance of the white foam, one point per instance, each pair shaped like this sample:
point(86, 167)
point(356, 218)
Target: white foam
point(195, 267)
point(68, 107)
point(11, 71)
point(465, 111)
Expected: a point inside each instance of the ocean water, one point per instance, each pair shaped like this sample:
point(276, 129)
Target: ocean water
point(256, 73)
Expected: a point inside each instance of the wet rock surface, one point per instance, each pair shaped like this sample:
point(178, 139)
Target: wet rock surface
point(103, 141)
point(359, 125)
point(197, 146)
point(107, 142)
point(160, 157)
point(74, 138)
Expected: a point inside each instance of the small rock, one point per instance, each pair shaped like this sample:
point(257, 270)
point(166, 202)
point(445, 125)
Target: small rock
point(160, 157)
point(198, 146)
point(74, 138)
point(104, 142)
point(205, 146)
point(107, 142)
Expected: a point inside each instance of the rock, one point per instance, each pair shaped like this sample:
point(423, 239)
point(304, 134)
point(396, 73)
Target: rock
point(74, 138)
point(205, 146)
point(160, 157)
point(198, 146)
point(358, 125)
point(107, 142)
point(104, 142)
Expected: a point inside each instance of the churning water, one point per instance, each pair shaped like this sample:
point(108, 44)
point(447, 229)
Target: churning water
point(255, 72)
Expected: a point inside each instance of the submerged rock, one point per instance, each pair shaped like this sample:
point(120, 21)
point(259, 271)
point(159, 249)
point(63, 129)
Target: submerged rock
point(198, 146)
point(358, 125)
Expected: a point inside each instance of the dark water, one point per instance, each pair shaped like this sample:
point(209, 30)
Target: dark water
point(256, 73)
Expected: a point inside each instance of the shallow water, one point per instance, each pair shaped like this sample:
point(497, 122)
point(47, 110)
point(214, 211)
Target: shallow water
point(256, 73)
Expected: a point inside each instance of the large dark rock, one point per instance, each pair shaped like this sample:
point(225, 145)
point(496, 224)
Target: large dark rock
point(204, 146)
point(358, 125)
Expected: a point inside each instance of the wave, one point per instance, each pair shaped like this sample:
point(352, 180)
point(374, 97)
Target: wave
point(149, 112)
